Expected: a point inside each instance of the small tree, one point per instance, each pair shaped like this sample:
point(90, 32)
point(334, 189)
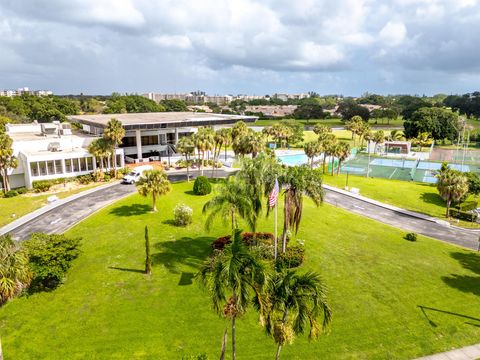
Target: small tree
point(114, 133)
point(154, 182)
point(148, 259)
point(7, 160)
point(186, 147)
point(452, 185)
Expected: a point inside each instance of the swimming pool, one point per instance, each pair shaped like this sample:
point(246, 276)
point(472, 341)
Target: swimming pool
point(293, 160)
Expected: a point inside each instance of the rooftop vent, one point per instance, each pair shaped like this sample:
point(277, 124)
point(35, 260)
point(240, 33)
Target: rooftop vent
point(54, 147)
point(49, 129)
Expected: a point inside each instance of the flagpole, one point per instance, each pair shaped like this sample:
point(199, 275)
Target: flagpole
point(275, 232)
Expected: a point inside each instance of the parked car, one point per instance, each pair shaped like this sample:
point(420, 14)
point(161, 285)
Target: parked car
point(135, 175)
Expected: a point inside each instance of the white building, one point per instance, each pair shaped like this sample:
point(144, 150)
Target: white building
point(49, 151)
point(152, 135)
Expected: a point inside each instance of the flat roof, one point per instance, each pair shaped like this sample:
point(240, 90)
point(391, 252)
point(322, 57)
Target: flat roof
point(156, 120)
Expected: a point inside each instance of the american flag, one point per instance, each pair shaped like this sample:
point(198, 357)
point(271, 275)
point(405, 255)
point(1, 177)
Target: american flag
point(272, 200)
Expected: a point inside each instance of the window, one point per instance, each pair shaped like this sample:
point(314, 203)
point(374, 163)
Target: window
point(83, 164)
point(76, 166)
point(43, 167)
point(150, 140)
point(34, 169)
point(129, 142)
point(68, 165)
point(119, 160)
point(89, 163)
point(58, 167)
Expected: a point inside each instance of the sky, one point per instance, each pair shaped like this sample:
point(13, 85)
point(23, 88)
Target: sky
point(257, 47)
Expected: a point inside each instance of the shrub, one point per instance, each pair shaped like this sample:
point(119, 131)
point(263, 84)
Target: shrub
point(463, 215)
point(98, 175)
point(50, 257)
point(202, 186)
point(41, 185)
point(221, 242)
point(294, 257)
point(263, 251)
point(250, 238)
point(11, 193)
point(85, 179)
point(21, 190)
point(106, 177)
point(468, 205)
point(182, 215)
point(411, 237)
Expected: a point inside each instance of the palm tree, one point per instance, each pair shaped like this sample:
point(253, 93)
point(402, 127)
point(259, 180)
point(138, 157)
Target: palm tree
point(364, 129)
point(328, 146)
point(354, 125)
point(369, 136)
point(452, 186)
point(230, 202)
point(423, 139)
point(378, 138)
point(7, 160)
point(100, 148)
point(114, 133)
point(295, 302)
point(280, 133)
point(335, 152)
point(321, 129)
point(232, 277)
point(186, 147)
point(15, 274)
point(343, 153)
point(148, 258)
point(154, 182)
point(203, 141)
point(226, 135)
point(297, 182)
point(312, 149)
point(396, 135)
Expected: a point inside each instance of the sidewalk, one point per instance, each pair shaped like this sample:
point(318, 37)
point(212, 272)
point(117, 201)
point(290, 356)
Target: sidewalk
point(466, 353)
point(34, 214)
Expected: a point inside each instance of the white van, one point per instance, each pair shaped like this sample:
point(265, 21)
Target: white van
point(136, 174)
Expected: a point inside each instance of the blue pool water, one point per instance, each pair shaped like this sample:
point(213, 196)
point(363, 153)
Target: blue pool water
point(293, 160)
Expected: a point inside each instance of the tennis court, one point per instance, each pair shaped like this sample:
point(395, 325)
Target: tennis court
point(399, 169)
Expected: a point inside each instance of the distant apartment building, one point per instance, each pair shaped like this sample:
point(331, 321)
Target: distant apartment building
point(286, 97)
point(25, 90)
point(197, 97)
point(272, 110)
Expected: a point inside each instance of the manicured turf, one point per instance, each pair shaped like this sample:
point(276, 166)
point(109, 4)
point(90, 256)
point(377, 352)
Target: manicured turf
point(13, 208)
point(391, 298)
point(331, 122)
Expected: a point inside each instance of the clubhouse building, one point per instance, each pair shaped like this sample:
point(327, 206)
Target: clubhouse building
point(55, 150)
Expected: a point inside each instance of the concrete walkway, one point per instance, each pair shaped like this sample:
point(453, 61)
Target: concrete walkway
point(466, 353)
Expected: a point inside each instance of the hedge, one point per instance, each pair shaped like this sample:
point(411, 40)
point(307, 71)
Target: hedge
point(463, 215)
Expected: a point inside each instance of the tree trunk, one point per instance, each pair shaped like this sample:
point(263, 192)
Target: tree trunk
point(214, 157)
point(333, 165)
point(224, 345)
point(115, 161)
point(285, 225)
point(225, 152)
point(154, 196)
point(447, 215)
point(233, 221)
point(279, 347)
point(4, 181)
point(234, 353)
point(277, 355)
point(188, 172)
point(324, 160)
point(1, 352)
point(311, 162)
point(203, 161)
point(338, 167)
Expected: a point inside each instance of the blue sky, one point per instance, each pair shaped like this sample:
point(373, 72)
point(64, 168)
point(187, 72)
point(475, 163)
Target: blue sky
point(241, 46)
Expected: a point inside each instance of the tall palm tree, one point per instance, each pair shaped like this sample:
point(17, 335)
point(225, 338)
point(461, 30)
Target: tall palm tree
point(230, 202)
point(321, 129)
point(7, 160)
point(204, 142)
point(226, 135)
point(369, 136)
point(101, 149)
point(343, 153)
point(295, 302)
point(312, 149)
point(154, 182)
point(186, 147)
point(15, 274)
point(396, 135)
point(452, 186)
point(114, 133)
point(232, 277)
point(378, 138)
point(297, 182)
point(335, 153)
point(364, 129)
point(328, 147)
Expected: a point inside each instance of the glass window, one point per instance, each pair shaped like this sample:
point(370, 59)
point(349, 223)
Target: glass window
point(58, 167)
point(119, 160)
point(43, 167)
point(76, 166)
point(89, 163)
point(50, 167)
point(129, 141)
point(68, 165)
point(34, 168)
point(150, 140)
point(83, 164)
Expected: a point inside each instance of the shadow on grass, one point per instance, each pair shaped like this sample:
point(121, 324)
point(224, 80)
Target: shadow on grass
point(433, 324)
point(185, 251)
point(169, 222)
point(186, 278)
point(465, 283)
point(127, 269)
point(432, 198)
point(131, 210)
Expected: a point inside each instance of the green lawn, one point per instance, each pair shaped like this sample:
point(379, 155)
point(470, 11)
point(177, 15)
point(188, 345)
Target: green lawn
point(331, 122)
point(391, 298)
point(16, 207)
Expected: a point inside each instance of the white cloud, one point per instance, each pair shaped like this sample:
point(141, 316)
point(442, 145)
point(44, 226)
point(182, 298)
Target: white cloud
point(393, 33)
point(173, 41)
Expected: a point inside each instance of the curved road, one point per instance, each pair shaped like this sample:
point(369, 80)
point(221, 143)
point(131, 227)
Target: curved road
point(65, 216)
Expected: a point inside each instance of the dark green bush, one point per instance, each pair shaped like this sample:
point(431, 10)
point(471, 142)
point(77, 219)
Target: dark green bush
point(294, 257)
point(50, 257)
point(468, 205)
point(202, 186)
point(86, 179)
point(11, 193)
point(411, 237)
point(21, 190)
point(41, 185)
point(463, 215)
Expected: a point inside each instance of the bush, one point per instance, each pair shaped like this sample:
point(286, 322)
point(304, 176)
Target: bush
point(411, 237)
point(98, 175)
point(250, 238)
point(294, 257)
point(11, 193)
point(468, 205)
point(41, 185)
point(202, 186)
point(85, 179)
point(182, 215)
point(106, 177)
point(463, 215)
point(221, 242)
point(50, 257)
point(21, 190)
